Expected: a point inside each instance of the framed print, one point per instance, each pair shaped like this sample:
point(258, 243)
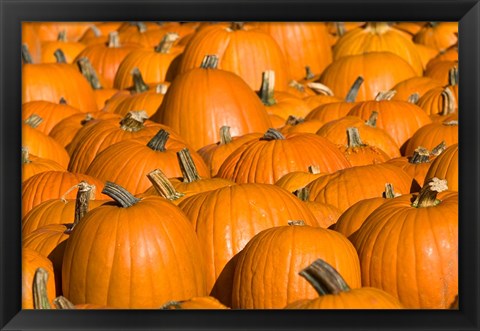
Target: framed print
point(287, 165)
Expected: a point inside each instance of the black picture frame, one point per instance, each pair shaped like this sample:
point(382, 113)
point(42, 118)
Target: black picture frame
point(13, 12)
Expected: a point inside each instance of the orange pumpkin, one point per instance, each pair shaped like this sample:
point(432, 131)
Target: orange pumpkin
point(419, 85)
point(325, 214)
point(439, 35)
point(430, 135)
point(440, 71)
point(70, 48)
point(296, 180)
point(438, 101)
point(358, 153)
point(32, 261)
point(446, 166)
point(207, 302)
point(32, 165)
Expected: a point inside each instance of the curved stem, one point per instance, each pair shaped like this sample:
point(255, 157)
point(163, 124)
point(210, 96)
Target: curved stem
point(113, 40)
point(420, 155)
point(33, 121)
point(40, 293)
point(272, 134)
point(187, 166)
point(324, 278)
point(372, 120)
point(139, 85)
point(267, 88)
point(163, 186)
point(60, 56)
point(124, 198)
point(353, 92)
point(225, 135)
point(390, 192)
point(387, 95)
point(427, 197)
point(439, 149)
point(26, 56)
point(353, 137)
point(453, 76)
point(209, 62)
point(158, 142)
point(166, 43)
point(89, 73)
point(448, 101)
point(320, 88)
point(309, 73)
point(134, 121)
point(61, 302)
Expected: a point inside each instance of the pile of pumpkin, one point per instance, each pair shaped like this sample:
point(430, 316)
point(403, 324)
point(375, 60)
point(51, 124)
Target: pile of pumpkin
point(240, 165)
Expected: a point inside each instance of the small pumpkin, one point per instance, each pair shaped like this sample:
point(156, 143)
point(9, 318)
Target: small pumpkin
point(358, 153)
point(32, 165)
point(32, 261)
point(446, 166)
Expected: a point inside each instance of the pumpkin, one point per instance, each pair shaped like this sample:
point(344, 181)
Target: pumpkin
point(426, 53)
point(53, 185)
point(446, 166)
point(298, 124)
point(61, 302)
point(51, 113)
point(207, 302)
point(380, 70)
point(32, 261)
point(266, 274)
point(219, 98)
point(296, 180)
point(128, 162)
point(334, 292)
point(358, 153)
point(48, 31)
point(215, 154)
point(438, 101)
point(419, 85)
point(245, 51)
point(399, 236)
point(303, 43)
point(409, 27)
point(439, 35)
point(432, 134)
point(153, 63)
point(31, 42)
point(98, 32)
point(450, 54)
point(348, 186)
point(223, 227)
point(440, 71)
point(70, 48)
point(269, 158)
point(354, 216)
point(168, 252)
point(325, 214)
point(32, 165)
point(378, 37)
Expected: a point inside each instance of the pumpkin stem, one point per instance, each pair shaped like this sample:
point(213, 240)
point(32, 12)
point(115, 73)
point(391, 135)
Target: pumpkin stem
point(453, 76)
point(353, 92)
point(296, 223)
point(139, 84)
point(209, 62)
point(33, 121)
point(61, 302)
point(320, 88)
point(158, 142)
point(354, 139)
point(60, 56)
point(161, 89)
point(302, 193)
point(163, 186)
point(267, 87)
point(309, 73)
point(448, 101)
point(390, 192)
point(294, 120)
point(113, 40)
point(62, 36)
point(25, 155)
point(420, 155)
point(378, 27)
point(96, 31)
point(88, 118)
point(89, 73)
point(124, 198)
point(340, 27)
point(413, 98)
point(225, 135)
point(385, 96)
point(272, 134)
point(142, 27)
point(172, 305)
point(234, 26)
point(314, 169)
point(324, 278)
point(26, 56)
point(372, 120)
point(166, 43)
point(134, 120)
point(187, 166)
point(84, 194)
point(40, 294)
point(427, 197)
point(437, 150)
point(62, 101)
point(296, 85)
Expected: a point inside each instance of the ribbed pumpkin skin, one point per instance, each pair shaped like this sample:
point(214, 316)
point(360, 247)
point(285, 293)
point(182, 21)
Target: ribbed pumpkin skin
point(296, 180)
point(150, 102)
point(53, 81)
point(53, 211)
point(399, 118)
point(381, 71)
point(127, 163)
point(364, 155)
point(325, 214)
point(70, 49)
point(246, 53)
point(412, 253)
point(441, 36)
point(419, 85)
point(378, 37)
point(52, 185)
point(44, 146)
point(303, 43)
point(445, 166)
point(330, 111)
point(336, 132)
point(38, 165)
point(136, 257)
point(31, 260)
point(430, 135)
point(51, 113)
point(227, 218)
point(439, 71)
point(218, 98)
point(348, 186)
point(432, 102)
point(417, 170)
point(264, 161)
point(266, 275)
point(360, 298)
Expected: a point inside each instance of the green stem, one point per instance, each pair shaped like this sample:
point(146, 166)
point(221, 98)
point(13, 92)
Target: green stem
point(413, 98)
point(293, 120)
point(308, 73)
point(340, 27)
point(25, 155)
point(124, 198)
point(390, 192)
point(324, 278)
point(448, 102)
point(272, 134)
point(82, 201)
point(385, 96)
